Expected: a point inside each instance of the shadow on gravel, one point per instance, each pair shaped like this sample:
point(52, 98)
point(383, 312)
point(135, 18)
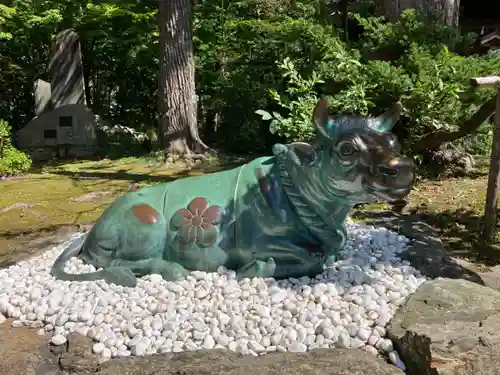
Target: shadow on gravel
point(460, 231)
point(426, 252)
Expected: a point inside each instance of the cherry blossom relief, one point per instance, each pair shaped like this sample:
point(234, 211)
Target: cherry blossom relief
point(196, 224)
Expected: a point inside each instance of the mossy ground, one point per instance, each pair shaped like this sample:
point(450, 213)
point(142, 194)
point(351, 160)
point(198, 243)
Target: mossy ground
point(74, 193)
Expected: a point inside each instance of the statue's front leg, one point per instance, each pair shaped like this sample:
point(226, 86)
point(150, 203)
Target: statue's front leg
point(280, 258)
point(335, 243)
point(257, 268)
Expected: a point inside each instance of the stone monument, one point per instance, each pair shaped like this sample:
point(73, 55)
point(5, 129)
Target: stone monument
point(66, 70)
point(63, 125)
point(43, 97)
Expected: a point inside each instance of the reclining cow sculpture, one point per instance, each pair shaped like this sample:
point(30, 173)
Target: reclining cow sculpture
point(280, 216)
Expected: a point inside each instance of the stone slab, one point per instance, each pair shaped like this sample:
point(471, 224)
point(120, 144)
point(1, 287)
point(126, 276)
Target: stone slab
point(449, 327)
point(43, 96)
point(24, 352)
point(321, 362)
point(66, 70)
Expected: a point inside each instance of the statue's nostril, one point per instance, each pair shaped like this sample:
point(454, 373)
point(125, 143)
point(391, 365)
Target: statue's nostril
point(387, 171)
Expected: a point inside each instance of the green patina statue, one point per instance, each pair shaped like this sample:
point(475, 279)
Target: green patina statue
point(280, 216)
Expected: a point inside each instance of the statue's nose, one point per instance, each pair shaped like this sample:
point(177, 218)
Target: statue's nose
point(400, 170)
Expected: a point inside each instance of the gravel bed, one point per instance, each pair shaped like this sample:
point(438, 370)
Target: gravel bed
point(348, 305)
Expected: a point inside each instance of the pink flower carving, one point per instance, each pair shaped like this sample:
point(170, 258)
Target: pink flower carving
point(197, 223)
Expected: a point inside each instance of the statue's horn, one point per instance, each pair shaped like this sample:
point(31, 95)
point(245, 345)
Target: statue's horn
point(321, 118)
point(386, 121)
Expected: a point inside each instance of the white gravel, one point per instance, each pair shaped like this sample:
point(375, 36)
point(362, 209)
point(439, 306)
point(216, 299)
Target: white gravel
point(347, 306)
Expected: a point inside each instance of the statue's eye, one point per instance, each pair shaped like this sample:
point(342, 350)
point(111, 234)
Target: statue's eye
point(391, 138)
point(393, 142)
point(346, 149)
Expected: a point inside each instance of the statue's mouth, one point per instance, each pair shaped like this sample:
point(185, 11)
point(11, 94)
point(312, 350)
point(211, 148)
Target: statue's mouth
point(391, 180)
point(385, 192)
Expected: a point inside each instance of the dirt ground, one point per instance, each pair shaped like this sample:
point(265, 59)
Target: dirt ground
point(68, 195)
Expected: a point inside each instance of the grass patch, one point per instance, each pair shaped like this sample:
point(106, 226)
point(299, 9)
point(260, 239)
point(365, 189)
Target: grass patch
point(73, 193)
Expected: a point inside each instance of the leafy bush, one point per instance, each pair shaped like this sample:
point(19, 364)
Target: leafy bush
point(299, 101)
point(480, 142)
point(12, 161)
point(276, 56)
point(427, 72)
point(236, 72)
point(423, 70)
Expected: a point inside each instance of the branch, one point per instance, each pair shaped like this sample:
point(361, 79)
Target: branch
point(433, 140)
point(490, 81)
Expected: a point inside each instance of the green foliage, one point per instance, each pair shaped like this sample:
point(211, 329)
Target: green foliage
point(260, 66)
point(12, 161)
point(411, 61)
point(480, 142)
point(425, 71)
point(393, 40)
point(237, 68)
point(298, 100)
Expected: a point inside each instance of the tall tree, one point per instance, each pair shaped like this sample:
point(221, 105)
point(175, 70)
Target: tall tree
point(177, 99)
point(446, 10)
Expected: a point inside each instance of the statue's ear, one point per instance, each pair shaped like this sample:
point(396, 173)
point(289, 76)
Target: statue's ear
point(321, 119)
point(302, 154)
point(386, 121)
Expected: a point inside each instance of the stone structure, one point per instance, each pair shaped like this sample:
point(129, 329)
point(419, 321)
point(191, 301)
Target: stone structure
point(449, 327)
point(64, 131)
point(280, 216)
point(63, 125)
point(66, 70)
point(43, 97)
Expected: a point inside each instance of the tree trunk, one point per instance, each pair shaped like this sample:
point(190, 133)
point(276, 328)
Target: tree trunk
point(446, 10)
point(177, 100)
point(433, 140)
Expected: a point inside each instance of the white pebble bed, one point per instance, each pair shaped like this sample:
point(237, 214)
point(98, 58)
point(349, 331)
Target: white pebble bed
point(347, 306)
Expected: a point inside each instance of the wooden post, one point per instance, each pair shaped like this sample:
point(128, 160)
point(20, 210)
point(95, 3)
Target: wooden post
point(490, 209)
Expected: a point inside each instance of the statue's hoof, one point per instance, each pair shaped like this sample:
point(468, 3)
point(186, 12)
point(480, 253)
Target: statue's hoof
point(120, 276)
point(172, 271)
point(258, 268)
point(330, 260)
point(269, 268)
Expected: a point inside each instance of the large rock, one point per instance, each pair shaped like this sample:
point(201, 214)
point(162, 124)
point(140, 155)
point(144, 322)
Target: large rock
point(449, 327)
point(23, 352)
point(77, 358)
point(321, 362)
